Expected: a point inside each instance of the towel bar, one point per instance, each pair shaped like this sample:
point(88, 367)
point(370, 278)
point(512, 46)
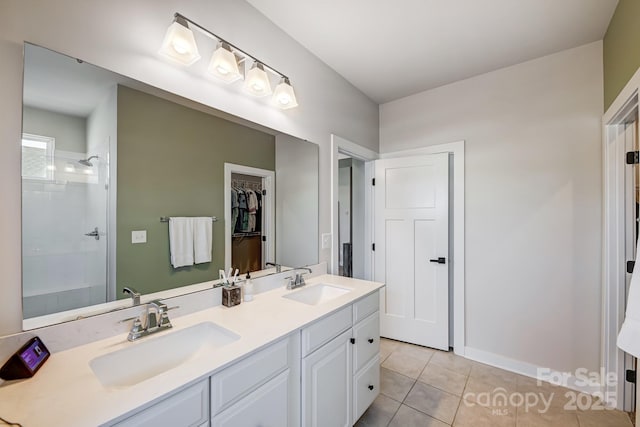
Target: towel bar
point(166, 219)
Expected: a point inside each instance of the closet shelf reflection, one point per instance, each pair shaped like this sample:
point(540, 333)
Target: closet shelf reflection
point(247, 234)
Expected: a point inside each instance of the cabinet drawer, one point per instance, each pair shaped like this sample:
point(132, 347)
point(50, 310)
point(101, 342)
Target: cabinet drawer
point(365, 306)
point(241, 378)
point(366, 387)
point(367, 336)
point(187, 408)
point(266, 406)
point(324, 330)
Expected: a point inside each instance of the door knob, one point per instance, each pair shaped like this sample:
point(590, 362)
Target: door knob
point(440, 260)
point(93, 233)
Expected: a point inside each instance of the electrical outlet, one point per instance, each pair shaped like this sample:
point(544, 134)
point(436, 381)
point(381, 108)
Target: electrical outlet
point(139, 236)
point(326, 240)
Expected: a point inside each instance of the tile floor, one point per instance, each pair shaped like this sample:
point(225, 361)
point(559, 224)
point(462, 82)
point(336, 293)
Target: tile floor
point(430, 388)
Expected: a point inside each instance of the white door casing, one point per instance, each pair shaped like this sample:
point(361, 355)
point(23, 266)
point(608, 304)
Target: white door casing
point(630, 239)
point(411, 229)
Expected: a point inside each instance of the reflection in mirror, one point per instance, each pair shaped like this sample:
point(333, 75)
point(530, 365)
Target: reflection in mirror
point(105, 157)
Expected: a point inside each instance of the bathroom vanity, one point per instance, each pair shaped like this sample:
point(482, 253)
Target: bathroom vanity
point(308, 356)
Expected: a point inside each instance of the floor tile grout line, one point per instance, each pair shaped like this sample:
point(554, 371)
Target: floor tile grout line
point(395, 413)
point(461, 399)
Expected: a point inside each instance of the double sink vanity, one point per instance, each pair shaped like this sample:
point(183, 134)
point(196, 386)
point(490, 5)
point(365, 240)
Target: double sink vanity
point(308, 356)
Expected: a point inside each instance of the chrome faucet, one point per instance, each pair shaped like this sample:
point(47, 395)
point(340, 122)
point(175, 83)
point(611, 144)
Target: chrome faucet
point(298, 280)
point(157, 319)
point(133, 293)
point(276, 265)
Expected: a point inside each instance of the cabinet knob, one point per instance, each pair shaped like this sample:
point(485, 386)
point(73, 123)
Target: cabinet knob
point(353, 340)
point(370, 387)
point(370, 340)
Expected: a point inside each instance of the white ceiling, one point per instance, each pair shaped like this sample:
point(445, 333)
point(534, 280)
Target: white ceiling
point(391, 49)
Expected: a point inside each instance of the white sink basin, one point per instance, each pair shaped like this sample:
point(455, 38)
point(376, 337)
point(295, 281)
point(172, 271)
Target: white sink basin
point(154, 355)
point(317, 294)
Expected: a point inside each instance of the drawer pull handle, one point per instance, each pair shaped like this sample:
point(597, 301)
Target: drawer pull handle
point(370, 340)
point(370, 387)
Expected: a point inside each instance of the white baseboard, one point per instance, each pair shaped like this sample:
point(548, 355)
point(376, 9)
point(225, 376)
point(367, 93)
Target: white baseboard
point(530, 370)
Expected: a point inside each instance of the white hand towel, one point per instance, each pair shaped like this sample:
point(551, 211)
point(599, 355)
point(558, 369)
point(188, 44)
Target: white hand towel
point(181, 241)
point(202, 239)
point(629, 336)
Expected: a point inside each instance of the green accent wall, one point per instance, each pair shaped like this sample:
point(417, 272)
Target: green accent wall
point(171, 163)
point(621, 49)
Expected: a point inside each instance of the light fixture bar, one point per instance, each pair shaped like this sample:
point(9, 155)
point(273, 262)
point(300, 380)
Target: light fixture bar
point(180, 16)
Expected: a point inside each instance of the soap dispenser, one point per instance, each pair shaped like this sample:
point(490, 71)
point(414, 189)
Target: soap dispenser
point(248, 288)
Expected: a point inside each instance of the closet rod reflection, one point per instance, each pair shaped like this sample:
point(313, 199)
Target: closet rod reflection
point(166, 219)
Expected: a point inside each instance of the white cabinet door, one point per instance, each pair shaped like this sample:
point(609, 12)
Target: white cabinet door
point(187, 408)
point(268, 406)
point(326, 384)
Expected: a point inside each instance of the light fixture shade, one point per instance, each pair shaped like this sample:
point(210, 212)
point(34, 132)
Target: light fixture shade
point(224, 64)
point(257, 81)
point(284, 96)
point(179, 44)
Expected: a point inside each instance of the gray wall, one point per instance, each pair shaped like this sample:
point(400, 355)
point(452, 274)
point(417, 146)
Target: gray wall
point(532, 202)
point(296, 202)
point(70, 132)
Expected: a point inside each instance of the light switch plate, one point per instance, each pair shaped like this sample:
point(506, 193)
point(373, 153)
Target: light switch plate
point(326, 240)
point(139, 236)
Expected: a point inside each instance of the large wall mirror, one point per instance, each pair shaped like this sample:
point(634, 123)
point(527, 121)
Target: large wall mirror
point(110, 164)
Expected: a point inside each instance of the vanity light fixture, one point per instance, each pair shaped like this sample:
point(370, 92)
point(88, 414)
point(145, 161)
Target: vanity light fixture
point(284, 96)
point(179, 43)
point(227, 62)
point(257, 81)
point(224, 64)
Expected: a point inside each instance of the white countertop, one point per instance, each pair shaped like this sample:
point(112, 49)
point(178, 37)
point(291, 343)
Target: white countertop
point(65, 391)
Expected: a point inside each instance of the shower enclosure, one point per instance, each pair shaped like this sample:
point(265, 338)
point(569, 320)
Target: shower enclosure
point(65, 196)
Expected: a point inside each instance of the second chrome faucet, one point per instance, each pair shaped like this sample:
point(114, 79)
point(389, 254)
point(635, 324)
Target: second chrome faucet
point(297, 280)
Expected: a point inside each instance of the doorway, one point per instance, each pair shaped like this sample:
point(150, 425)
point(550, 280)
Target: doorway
point(456, 220)
point(249, 217)
point(621, 202)
point(351, 216)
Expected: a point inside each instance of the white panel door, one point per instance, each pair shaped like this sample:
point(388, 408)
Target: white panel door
point(412, 247)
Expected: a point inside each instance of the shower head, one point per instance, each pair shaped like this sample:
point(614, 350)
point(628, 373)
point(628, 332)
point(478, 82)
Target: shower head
point(87, 162)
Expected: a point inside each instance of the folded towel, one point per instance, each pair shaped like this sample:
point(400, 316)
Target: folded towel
point(629, 336)
point(181, 241)
point(202, 239)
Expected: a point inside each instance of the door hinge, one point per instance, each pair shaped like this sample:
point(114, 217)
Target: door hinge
point(630, 376)
point(373, 181)
point(264, 238)
point(373, 246)
point(353, 341)
point(630, 266)
point(633, 157)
